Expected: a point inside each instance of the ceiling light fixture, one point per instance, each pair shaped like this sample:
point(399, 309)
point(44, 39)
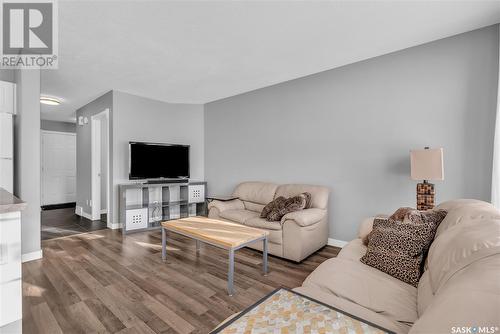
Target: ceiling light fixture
point(49, 101)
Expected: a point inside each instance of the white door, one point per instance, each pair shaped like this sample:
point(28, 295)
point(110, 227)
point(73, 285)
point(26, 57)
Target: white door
point(100, 165)
point(104, 165)
point(96, 167)
point(58, 167)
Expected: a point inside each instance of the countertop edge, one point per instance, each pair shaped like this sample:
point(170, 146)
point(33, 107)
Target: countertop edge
point(10, 203)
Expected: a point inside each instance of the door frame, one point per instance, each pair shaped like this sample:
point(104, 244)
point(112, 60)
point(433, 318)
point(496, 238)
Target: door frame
point(96, 164)
point(42, 132)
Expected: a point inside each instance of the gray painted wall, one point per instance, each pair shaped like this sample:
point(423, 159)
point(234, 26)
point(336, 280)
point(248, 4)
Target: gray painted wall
point(141, 119)
point(7, 75)
point(351, 128)
point(27, 156)
point(58, 126)
point(83, 148)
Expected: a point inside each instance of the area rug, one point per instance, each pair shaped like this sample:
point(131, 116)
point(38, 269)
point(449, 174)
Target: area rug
point(285, 311)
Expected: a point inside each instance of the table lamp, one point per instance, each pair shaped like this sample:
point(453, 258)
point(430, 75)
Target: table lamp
point(426, 164)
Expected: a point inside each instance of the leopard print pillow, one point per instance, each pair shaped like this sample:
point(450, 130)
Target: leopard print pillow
point(398, 248)
point(398, 215)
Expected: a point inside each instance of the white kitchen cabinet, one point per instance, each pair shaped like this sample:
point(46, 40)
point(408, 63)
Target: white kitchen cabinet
point(6, 135)
point(7, 97)
point(10, 268)
point(6, 174)
point(6, 152)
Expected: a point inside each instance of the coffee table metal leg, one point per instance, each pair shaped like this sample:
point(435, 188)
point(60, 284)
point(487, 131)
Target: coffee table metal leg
point(230, 273)
point(163, 244)
point(197, 246)
point(264, 256)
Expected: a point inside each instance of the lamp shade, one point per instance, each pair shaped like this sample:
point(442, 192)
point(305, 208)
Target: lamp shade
point(427, 164)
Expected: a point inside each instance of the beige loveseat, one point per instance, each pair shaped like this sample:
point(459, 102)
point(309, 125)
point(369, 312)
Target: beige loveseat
point(297, 235)
point(459, 290)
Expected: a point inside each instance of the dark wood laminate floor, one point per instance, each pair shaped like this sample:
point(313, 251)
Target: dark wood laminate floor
point(58, 223)
point(102, 282)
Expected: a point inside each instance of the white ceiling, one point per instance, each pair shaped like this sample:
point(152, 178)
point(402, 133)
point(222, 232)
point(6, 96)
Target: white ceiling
point(201, 51)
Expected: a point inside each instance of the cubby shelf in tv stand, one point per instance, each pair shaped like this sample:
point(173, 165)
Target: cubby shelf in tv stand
point(183, 204)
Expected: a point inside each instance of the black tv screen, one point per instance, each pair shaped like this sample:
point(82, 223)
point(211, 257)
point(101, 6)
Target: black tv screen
point(153, 161)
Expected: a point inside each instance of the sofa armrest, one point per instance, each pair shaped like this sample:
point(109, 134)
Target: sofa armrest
point(305, 217)
point(235, 204)
point(366, 225)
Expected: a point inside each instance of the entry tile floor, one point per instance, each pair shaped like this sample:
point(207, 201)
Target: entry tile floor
point(58, 223)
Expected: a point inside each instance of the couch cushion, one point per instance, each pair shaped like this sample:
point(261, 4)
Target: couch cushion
point(263, 223)
point(253, 206)
point(354, 250)
point(274, 245)
point(366, 286)
point(353, 308)
point(459, 203)
point(460, 211)
point(239, 216)
point(460, 246)
point(470, 298)
point(319, 194)
point(256, 192)
point(424, 293)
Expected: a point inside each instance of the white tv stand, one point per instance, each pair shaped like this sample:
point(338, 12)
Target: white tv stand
point(144, 206)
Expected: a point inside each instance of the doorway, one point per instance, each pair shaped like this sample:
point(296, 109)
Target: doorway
point(100, 147)
point(58, 184)
point(58, 168)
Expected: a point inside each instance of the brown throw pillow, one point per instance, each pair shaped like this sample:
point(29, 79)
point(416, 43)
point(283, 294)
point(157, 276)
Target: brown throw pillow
point(400, 213)
point(308, 199)
point(280, 206)
point(398, 248)
point(272, 206)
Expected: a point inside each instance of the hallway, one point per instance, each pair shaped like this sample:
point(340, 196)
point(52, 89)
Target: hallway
point(64, 222)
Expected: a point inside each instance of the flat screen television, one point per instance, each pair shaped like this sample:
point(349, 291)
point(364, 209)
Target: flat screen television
point(156, 161)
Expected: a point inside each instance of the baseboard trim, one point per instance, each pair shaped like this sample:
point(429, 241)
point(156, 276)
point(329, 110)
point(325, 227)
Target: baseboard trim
point(59, 206)
point(36, 255)
point(86, 215)
point(79, 211)
point(336, 243)
point(114, 226)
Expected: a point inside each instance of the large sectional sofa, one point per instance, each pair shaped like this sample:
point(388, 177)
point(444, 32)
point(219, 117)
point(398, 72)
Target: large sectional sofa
point(459, 291)
point(297, 235)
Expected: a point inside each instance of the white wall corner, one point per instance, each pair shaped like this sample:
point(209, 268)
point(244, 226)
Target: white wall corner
point(114, 226)
point(336, 243)
point(79, 211)
point(36, 255)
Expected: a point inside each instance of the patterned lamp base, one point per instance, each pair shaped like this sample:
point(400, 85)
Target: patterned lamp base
point(425, 196)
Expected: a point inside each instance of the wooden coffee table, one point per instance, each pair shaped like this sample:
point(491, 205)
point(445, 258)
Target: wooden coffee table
point(218, 233)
